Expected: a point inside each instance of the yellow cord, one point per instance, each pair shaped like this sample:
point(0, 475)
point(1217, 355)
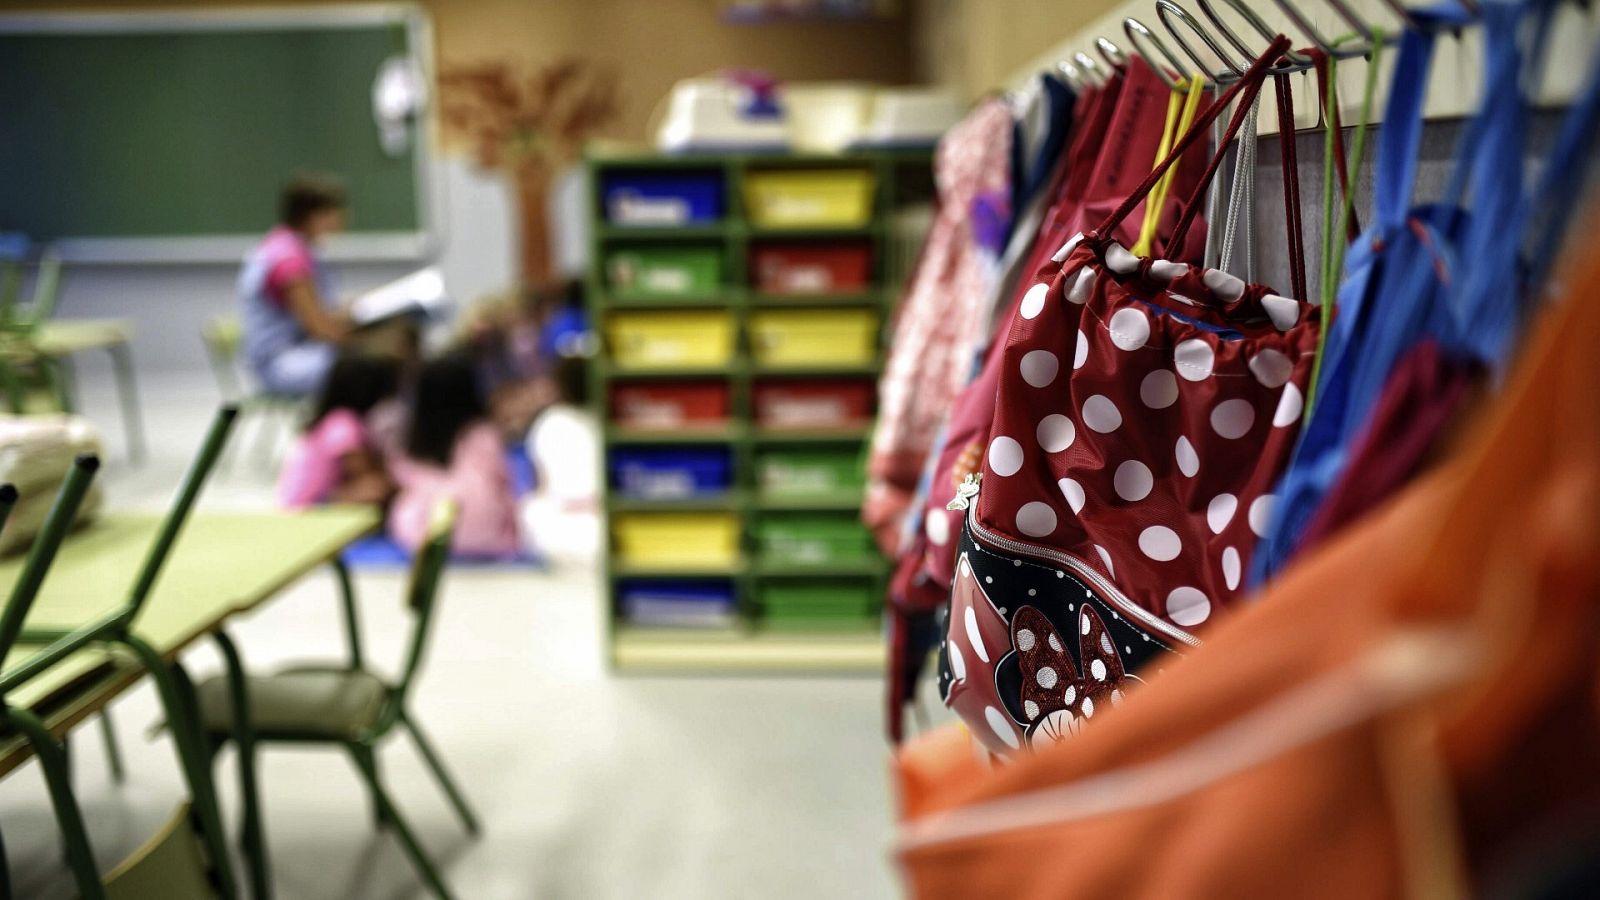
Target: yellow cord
point(1181, 110)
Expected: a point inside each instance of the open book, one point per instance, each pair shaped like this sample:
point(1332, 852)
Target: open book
point(419, 294)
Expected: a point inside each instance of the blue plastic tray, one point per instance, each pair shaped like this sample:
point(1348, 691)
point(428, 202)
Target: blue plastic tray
point(662, 198)
point(669, 473)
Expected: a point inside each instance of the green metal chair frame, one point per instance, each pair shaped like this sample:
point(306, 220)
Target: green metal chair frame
point(115, 628)
point(421, 595)
point(41, 554)
point(221, 336)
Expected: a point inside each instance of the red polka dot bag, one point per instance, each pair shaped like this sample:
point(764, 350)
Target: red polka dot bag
point(1144, 411)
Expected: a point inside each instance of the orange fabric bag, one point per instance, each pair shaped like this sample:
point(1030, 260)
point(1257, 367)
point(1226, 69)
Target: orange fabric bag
point(1394, 717)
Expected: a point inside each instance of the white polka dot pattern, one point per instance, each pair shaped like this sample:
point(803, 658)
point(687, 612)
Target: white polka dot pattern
point(1193, 359)
point(1073, 491)
point(1188, 460)
point(1039, 368)
point(1160, 543)
point(1082, 286)
point(1261, 514)
point(1005, 455)
point(1188, 606)
point(1219, 512)
point(1033, 301)
point(1055, 433)
point(1133, 481)
point(1232, 418)
point(1036, 519)
point(1159, 389)
point(1130, 329)
point(1101, 415)
point(1271, 368)
point(1289, 408)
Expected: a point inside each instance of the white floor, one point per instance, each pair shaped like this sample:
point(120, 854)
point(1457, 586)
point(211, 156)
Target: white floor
point(589, 784)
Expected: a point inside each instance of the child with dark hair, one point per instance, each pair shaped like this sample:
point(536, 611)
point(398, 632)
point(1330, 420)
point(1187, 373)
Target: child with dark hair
point(291, 329)
point(338, 458)
point(453, 450)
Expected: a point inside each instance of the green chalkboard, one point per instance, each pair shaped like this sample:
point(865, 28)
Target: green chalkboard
point(190, 132)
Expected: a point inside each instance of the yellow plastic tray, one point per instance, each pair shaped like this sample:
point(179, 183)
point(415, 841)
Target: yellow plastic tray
point(814, 337)
point(676, 540)
point(809, 198)
point(671, 339)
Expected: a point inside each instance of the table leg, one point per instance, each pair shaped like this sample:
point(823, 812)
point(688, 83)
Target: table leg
point(59, 373)
point(182, 721)
point(128, 396)
point(252, 832)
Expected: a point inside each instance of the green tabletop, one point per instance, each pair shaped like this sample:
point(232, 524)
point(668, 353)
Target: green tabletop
point(63, 337)
point(223, 563)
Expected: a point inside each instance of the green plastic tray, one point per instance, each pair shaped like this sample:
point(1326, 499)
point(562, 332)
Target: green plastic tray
point(664, 272)
point(793, 473)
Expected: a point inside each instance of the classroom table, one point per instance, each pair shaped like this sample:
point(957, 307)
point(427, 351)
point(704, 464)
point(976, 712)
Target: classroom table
point(223, 564)
point(59, 339)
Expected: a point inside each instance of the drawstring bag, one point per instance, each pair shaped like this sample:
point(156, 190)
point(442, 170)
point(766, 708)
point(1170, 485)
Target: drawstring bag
point(1129, 133)
point(1119, 125)
point(1144, 410)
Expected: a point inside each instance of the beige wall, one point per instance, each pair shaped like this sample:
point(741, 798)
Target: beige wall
point(653, 43)
point(974, 45)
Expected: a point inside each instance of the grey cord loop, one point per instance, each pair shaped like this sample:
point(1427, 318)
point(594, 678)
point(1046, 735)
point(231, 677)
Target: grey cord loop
point(1239, 235)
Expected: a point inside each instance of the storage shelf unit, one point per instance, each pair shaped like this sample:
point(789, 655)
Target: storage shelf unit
point(756, 639)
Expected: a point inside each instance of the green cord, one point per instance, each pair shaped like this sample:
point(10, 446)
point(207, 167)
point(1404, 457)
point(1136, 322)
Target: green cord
point(1333, 264)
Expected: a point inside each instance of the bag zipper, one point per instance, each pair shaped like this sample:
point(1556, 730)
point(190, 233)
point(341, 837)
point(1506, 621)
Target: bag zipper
point(966, 496)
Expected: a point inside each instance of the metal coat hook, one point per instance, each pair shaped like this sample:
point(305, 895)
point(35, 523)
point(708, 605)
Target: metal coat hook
point(1110, 52)
point(1166, 11)
point(1089, 67)
point(1071, 73)
point(1137, 34)
point(1355, 22)
point(1292, 61)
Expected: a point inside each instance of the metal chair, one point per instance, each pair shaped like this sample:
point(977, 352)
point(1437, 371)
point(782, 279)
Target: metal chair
point(116, 628)
point(271, 413)
point(349, 706)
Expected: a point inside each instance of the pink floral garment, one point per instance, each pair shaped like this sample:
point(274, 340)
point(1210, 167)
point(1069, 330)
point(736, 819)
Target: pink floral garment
point(930, 357)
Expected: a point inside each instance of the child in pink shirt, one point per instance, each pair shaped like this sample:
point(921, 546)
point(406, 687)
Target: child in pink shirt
point(453, 450)
point(338, 458)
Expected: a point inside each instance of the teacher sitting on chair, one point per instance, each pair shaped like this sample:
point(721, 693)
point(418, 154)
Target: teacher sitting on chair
point(291, 330)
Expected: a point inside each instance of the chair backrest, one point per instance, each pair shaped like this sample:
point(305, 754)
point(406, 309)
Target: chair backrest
point(423, 589)
point(188, 492)
point(222, 336)
point(63, 513)
point(170, 866)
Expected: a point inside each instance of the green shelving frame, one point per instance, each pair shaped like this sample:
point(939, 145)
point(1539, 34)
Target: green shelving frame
point(901, 176)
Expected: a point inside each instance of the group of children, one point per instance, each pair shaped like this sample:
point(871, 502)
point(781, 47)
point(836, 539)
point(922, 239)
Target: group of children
point(407, 435)
point(375, 436)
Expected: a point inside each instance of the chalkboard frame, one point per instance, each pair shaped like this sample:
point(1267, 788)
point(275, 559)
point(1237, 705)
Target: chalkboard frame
point(421, 243)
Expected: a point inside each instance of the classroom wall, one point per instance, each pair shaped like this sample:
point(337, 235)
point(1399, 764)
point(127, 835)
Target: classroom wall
point(653, 43)
point(971, 46)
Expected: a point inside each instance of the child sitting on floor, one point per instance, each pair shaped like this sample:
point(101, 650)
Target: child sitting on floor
point(339, 458)
point(453, 450)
